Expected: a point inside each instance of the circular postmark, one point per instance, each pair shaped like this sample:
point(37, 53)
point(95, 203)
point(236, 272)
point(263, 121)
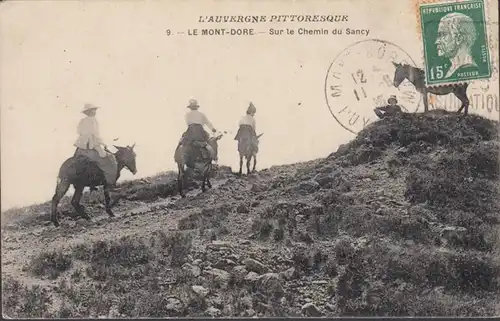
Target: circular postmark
point(360, 78)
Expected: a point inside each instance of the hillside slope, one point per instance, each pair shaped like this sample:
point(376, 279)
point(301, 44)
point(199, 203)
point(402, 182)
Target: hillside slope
point(403, 220)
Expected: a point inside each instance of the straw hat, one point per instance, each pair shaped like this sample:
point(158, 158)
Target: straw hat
point(392, 97)
point(193, 104)
point(88, 107)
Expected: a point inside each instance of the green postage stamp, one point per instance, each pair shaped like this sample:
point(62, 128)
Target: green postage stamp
point(455, 42)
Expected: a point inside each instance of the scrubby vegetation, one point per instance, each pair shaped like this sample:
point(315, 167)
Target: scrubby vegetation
point(402, 221)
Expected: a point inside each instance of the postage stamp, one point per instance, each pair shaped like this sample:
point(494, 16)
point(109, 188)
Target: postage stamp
point(455, 42)
point(361, 77)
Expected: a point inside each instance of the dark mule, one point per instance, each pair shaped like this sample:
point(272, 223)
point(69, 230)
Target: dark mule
point(417, 77)
point(248, 147)
point(191, 160)
point(82, 172)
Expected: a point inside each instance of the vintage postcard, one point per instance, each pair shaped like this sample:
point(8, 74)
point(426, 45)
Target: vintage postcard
point(249, 158)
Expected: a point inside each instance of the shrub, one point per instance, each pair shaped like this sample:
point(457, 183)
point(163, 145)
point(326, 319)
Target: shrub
point(51, 263)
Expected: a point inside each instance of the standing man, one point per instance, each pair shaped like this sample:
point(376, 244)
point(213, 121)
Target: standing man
point(195, 121)
point(91, 145)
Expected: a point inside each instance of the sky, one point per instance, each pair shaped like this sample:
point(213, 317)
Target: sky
point(58, 55)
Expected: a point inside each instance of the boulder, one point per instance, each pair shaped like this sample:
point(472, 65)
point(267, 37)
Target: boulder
point(255, 266)
point(310, 310)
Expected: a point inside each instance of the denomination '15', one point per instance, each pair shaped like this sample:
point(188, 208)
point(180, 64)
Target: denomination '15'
point(437, 72)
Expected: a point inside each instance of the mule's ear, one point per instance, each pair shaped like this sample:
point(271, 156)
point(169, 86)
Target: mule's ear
point(132, 147)
point(396, 64)
point(117, 147)
point(260, 135)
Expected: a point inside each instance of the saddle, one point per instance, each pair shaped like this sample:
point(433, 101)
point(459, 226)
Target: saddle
point(200, 150)
point(200, 144)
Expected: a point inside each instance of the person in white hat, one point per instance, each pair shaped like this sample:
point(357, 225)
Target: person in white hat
point(195, 121)
point(247, 122)
point(90, 144)
point(392, 109)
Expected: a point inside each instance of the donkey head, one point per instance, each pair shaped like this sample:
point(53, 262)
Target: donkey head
point(213, 142)
point(126, 156)
point(400, 74)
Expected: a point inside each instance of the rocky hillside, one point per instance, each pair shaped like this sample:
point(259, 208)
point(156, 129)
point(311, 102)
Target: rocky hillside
point(401, 221)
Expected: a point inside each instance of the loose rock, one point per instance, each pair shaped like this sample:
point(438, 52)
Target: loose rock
point(220, 276)
point(258, 188)
point(308, 186)
point(175, 306)
point(200, 291)
point(290, 274)
point(240, 271)
point(311, 310)
point(271, 283)
point(255, 266)
point(219, 245)
point(194, 270)
point(213, 312)
point(252, 277)
point(224, 263)
point(242, 209)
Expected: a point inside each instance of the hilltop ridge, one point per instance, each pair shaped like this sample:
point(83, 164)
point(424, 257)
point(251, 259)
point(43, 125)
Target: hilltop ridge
point(402, 220)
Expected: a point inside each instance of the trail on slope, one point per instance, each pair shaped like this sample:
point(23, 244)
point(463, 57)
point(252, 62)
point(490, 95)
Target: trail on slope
point(20, 243)
point(403, 220)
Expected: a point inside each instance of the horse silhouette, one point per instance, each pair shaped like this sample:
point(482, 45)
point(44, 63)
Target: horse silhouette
point(417, 77)
point(248, 147)
point(191, 160)
point(82, 172)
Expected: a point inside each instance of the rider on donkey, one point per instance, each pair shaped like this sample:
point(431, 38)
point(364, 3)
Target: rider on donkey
point(247, 122)
point(195, 132)
point(90, 145)
point(392, 109)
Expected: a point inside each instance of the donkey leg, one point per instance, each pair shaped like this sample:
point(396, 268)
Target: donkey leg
point(241, 165)
point(107, 199)
point(204, 179)
point(209, 173)
point(203, 188)
point(180, 180)
point(461, 93)
point(249, 159)
point(75, 201)
point(61, 189)
point(426, 101)
point(254, 162)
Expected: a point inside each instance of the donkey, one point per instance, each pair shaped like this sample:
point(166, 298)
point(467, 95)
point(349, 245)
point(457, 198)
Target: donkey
point(82, 172)
point(248, 147)
point(192, 159)
point(417, 77)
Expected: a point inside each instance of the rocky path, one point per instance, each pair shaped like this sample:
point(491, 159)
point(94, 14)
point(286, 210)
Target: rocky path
point(353, 234)
point(19, 245)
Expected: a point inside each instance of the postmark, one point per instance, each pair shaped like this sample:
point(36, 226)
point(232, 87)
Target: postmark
point(360, 78)
point(484, 101)
point(455, 42)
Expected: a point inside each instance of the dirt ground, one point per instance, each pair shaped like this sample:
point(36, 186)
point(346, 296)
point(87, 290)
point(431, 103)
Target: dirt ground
point(402, 221)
